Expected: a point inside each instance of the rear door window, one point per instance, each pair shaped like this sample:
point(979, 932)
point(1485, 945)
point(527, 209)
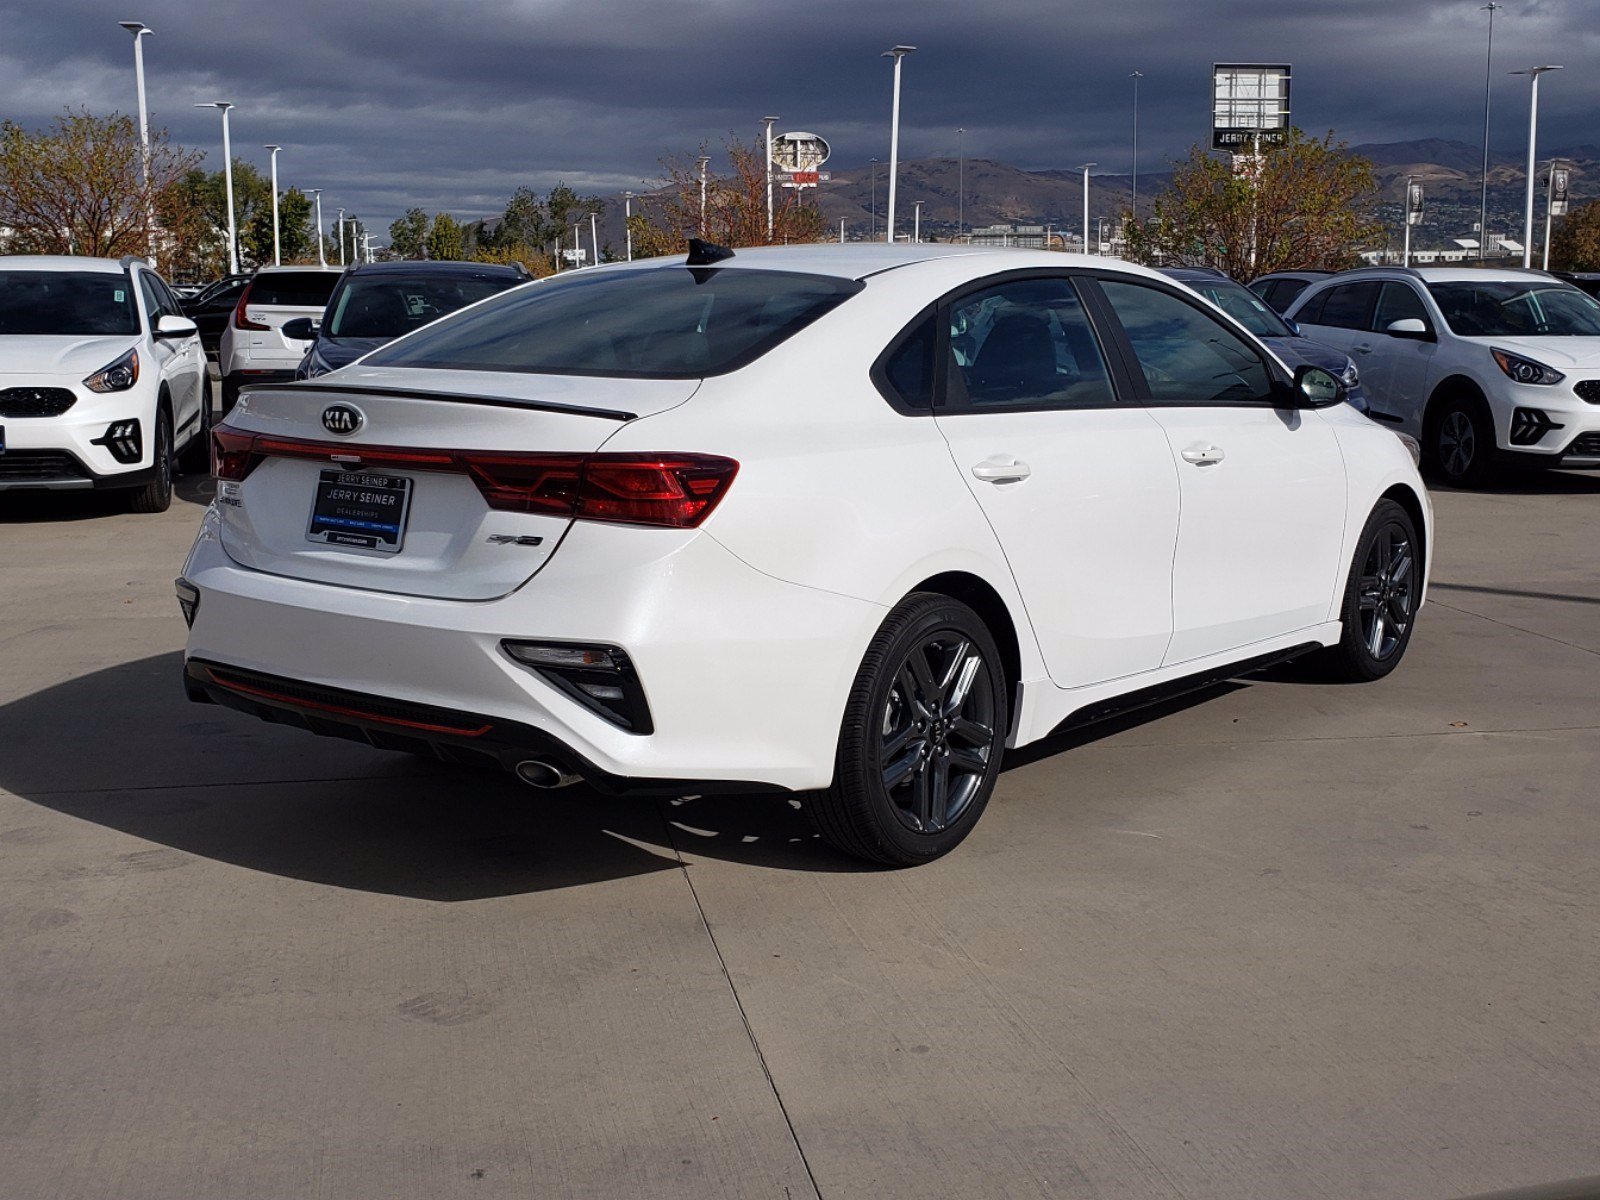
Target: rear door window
point(1348, 306)
point(1025, 343)
point(293, 289)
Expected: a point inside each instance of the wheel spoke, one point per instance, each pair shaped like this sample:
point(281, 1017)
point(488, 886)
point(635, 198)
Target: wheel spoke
point(974, 733)
point(1375, 636)
point(900, 769)
point(1402, 566)
point(968, 759)
point(924, 687)
point(922, 795)
point(938, 793)
point(895, 743)
point(957, 694)
point(1398, 614)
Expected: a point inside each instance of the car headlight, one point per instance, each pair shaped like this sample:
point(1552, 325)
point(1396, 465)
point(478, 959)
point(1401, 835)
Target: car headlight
point(1413, 448)
point(118, 376)
point(1351, 375)
point(1525, 370)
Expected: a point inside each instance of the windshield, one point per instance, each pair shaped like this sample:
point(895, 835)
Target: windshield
point(383, 306)
point(292, 289)
point(67, 303)
point(1244, 306)
point(661, 323)
point(1516, 309)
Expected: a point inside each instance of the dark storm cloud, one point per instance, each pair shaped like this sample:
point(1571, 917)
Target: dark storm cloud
point(451, 103)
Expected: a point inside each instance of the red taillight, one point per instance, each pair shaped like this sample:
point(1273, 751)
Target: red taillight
point(675, 491)
point(240, 321)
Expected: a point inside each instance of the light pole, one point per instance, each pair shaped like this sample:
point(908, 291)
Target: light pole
point(627, 220)
point(1483, 187)
point(139, 29)
point(841, 231)
point(961, 182)
point(227, 174)
point(1533, 74)
point(1084, 167)
point(341, 237)
point(1549, 210)
point(1405, 213)
point(874, 198)
point(769, 122)
point(594, 234)
point(316, 196)
point(704, 162)
point(916, 220)
point(277, 253)
point(897, 53)
point(1136, 76)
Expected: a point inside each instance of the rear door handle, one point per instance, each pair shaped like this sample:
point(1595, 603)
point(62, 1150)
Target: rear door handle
point(1204, 455)
point(1363, 347)
point(1001, 469)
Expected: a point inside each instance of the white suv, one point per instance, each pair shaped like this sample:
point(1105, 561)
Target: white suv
point(1485, 367)
point(254, 348)
point(844, 519)
point(102, 379)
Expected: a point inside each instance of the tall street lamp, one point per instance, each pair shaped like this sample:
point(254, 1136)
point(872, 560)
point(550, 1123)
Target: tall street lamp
point(1084, 167)
point(227, 174)
point(874, 197)
point(341, 237)
point(1136, 76)
point(627, 220)
point(594, 234)
point(322, 258)
point(139, 30)
point(1483, 187)
point(769, 122)
point(277, 253)
point(1533, 74)
point(897, 53)
point(916, 220)
point(961, 182)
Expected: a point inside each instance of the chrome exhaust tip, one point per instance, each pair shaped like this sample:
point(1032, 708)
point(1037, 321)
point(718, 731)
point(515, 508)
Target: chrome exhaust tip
point(536, 772)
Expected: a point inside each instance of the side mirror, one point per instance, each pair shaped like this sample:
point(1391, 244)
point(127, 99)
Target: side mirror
point(1294, 327)
point(1409, 327)
point(1318, 388)
point(170, 326)
point(301, 329)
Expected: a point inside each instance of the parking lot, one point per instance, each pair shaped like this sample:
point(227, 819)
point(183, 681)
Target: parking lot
point(1282, 939)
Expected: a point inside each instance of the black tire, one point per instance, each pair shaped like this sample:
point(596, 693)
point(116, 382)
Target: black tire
point(1461, 447)
point(196, 456)
point(156, 496)
point(1381, 594)
point(230, 394)
point(921, 715)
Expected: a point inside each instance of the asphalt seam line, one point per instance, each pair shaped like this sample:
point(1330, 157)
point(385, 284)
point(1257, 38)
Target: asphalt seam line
point(1467, 612)
point(738, 1003)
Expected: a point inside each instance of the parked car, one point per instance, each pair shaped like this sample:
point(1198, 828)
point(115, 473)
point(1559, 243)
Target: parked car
point(375, 303)
point(1282, 288)
point(254, 346)
point(102, 379)
point(1485, 366)
point(211, 308)
point(1280, 336)
point(843, 520)
point(1584, 281)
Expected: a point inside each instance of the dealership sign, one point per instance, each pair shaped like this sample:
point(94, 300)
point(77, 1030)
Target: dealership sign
point(1249, 106)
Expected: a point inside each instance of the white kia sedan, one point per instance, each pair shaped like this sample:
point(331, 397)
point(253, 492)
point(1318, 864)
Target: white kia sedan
point(843, 520)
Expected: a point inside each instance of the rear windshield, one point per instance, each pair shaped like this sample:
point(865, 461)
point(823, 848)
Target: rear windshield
point(66, 302)
point(1516, 309)
point(665, 323)
point(383, 306)
point(294, 289)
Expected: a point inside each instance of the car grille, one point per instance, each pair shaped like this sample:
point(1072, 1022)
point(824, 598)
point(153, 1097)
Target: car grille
point(1588, 389)
point(35, 402)
point(1585, 444)
point(39, 466)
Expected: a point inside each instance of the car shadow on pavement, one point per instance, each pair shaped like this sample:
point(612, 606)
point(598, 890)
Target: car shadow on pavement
point(30, 507)
point(1531, 483)
point(123, 748)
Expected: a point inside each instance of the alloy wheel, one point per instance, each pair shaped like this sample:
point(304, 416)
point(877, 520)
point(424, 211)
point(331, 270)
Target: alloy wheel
point(1457, 443)
point(938, 732)
point(1388, 592)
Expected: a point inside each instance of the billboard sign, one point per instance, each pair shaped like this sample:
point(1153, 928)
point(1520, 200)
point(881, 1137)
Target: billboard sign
point(1249, 105)
point(1414, 204)
point(1558, 192)
point(795, 152)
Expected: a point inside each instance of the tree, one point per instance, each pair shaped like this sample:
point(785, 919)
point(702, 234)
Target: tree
point(1307, 204)
point(444, 238)
point(296, 242)
point(1575, 245)
point(77, 187)
point(736, 207)
point(408, 235)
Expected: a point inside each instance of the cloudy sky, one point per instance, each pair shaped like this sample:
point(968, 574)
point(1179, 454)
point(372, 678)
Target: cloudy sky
point(449, 104)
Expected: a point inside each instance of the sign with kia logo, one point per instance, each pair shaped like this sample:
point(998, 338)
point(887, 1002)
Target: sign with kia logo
point(342, 418)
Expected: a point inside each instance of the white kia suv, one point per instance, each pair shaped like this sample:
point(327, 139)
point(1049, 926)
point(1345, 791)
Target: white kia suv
point(102, 379)
point(1486, 367)
point(254, 347)
point(841, 520)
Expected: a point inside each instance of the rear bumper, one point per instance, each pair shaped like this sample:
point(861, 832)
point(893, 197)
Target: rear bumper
point(746, 676)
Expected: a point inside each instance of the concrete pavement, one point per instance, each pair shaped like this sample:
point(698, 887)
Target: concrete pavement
point(1283, 939)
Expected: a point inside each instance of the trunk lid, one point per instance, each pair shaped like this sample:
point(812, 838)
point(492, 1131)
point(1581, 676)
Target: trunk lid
point(453, 544)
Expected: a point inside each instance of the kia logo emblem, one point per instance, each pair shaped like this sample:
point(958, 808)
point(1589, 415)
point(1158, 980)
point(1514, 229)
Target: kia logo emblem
point(342, 418)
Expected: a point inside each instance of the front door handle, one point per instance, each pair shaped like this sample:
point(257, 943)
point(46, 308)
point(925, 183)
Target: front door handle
point(1202, 456)
point(1363, 348)
point(1001, 469)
